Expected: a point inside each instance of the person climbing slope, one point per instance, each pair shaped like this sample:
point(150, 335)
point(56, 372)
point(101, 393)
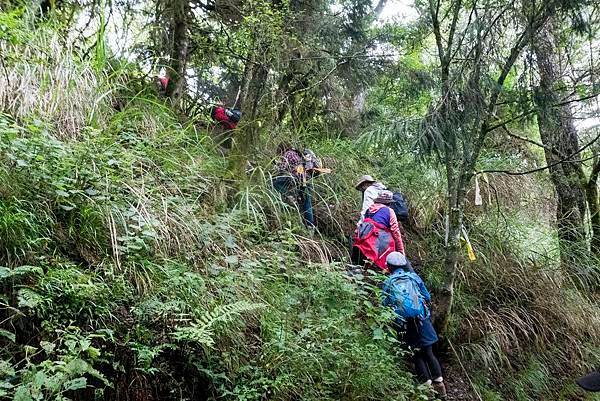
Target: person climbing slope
point(162, 82)
point(293, 179)
point(227, 120)
point(226, 117)
point(405, 292)
point(370, 189)
point(379, 234)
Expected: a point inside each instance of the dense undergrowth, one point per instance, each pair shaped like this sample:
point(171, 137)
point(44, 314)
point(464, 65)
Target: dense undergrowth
point(134, 269)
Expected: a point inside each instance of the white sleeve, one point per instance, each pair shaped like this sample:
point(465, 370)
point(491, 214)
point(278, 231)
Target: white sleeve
point(368, 200)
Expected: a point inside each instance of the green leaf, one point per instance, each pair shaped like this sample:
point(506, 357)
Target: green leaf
point(378, 334)
point(5, 272)
point(93, 352)
point(39, 379)
point(48, 347)
point(22, 394)
point(29, 298)
point(75, 384)
point(6, 369)
point(85, 344)
point(78, 367)
point(7, 334)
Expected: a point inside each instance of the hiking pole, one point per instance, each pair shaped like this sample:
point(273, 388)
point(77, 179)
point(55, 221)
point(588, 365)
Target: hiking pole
point(237, 97)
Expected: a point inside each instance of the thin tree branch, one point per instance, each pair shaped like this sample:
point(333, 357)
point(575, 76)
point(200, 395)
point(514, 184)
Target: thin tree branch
point(531, 141)
point(450, 41)
point(564, 160)
point(536, 170)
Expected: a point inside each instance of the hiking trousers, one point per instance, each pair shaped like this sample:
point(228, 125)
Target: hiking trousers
point(287, 185)
point(427, 366)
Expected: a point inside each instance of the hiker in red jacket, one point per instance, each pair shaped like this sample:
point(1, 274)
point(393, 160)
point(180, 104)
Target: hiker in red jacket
point(161, 83)
point(227, 120)
point(379, 233)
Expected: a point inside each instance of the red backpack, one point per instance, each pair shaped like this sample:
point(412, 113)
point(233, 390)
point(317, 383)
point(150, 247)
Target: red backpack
point(374, 241)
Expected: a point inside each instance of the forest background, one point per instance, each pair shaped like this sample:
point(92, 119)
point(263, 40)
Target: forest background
point(141, 262)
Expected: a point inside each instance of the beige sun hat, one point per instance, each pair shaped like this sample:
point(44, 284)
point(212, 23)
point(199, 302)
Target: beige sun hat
point(384, 197)
point(364, 179)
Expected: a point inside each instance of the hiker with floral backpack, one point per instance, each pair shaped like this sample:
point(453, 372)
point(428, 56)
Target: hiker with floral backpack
point(378, 234)
point(293, 179)
point(405, 292)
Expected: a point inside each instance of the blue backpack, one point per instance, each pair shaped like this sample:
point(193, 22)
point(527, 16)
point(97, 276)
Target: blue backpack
point(403, 292)
point(400, 207)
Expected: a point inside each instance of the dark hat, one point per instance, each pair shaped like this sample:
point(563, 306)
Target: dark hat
point(590, 382)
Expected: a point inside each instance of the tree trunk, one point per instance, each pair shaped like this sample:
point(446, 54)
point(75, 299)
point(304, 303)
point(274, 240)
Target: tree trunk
point(445, 299)
point(594, 206)
point(179, 32)
point(245, 140)
point(458, 181)
point(559, 136)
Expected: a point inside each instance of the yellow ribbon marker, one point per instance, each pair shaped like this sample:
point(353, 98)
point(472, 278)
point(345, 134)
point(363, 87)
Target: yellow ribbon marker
point(470, 251)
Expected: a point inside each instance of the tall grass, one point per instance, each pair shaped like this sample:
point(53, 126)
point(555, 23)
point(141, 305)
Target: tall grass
point(45, 77)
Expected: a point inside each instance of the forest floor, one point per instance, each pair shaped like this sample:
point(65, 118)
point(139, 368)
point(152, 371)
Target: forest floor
point(457, 384)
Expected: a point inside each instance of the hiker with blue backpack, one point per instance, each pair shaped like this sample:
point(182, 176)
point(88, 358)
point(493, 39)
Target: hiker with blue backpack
point(405, 292)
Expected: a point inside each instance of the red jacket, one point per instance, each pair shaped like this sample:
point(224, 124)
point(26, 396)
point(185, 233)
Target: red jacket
point(220, 115)
point(164, 82)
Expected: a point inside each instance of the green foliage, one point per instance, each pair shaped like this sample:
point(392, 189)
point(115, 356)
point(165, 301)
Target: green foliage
point(54, 370)
point(203, 331)
point(133, 267)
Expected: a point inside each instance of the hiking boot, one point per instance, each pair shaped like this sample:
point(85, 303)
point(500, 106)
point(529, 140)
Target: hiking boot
point(440, 390)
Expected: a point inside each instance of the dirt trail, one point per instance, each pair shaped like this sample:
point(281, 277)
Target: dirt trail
point(457, 385)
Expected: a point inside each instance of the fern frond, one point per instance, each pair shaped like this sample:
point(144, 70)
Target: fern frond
point(202, 331)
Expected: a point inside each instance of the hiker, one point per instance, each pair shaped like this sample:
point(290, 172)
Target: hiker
point(227, 120)
point(295, 171)
point(163, 83)
point(405, 292)
point(370, 189)
point(378, 234)
point(590, 382)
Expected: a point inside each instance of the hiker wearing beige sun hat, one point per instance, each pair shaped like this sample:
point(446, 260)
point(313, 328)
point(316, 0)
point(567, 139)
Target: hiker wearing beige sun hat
point(369, 188)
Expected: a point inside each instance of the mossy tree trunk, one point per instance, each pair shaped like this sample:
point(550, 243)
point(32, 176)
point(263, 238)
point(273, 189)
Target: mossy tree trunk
point(594, 206)
point(246, 136)
point(179, 34)
point(559, 136)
